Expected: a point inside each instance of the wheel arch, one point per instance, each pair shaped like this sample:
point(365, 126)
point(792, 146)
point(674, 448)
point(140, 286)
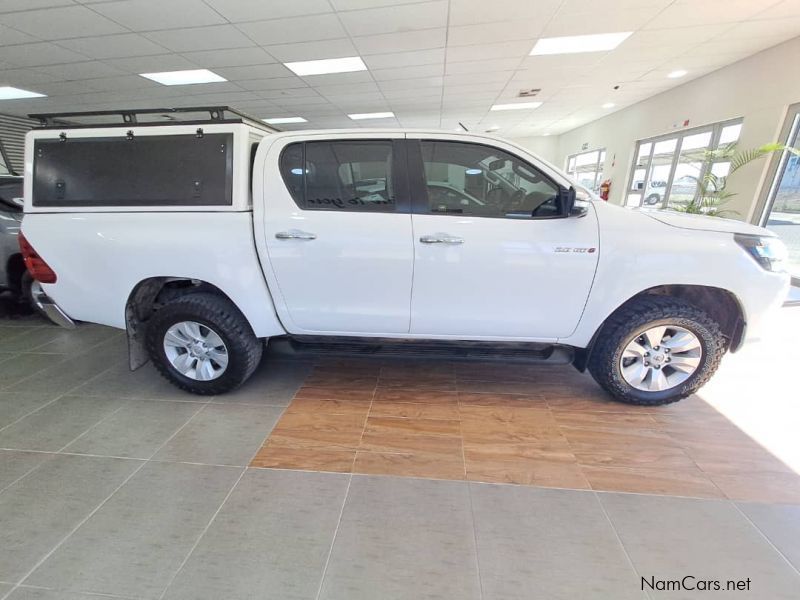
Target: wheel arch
point(721, 305)
point(148, 296)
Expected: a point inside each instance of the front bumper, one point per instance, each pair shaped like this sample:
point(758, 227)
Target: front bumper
point(45, 304)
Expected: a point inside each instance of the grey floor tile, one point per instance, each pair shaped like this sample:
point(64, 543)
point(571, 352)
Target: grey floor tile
point(71, 372)
point(15, 405)
point(555, 544)
point(270, 540)
point(137, 540)
point(669, 538)
point(137, 430)
point(57, 424)
point(144, 382)
point(222, 435)
point(404, 538)
point(5, 588)
point(14, 464)
point(22, 366)
point(43, 507)
point(274, 383)
point(35, 337)
point(781, 524)
point(31, 593)
point(13, 338)
point(82, 339)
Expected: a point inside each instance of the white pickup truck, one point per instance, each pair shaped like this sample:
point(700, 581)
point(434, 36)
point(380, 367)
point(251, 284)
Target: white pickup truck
point(203, 239)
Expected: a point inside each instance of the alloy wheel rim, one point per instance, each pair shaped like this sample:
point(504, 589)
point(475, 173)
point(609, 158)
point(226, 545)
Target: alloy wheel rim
point(660, 358)
point(195, 351)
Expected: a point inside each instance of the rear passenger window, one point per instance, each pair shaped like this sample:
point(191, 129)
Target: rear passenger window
point(340, 176)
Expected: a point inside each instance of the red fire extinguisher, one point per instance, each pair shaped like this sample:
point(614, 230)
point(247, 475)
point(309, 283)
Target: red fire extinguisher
point(605, 189)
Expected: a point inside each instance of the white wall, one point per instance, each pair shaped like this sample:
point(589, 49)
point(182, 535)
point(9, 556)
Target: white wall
point(545, 147)
point(759, 88)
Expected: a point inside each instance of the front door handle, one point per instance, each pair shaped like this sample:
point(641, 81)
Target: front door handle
point(440, 238)
point(295, 234)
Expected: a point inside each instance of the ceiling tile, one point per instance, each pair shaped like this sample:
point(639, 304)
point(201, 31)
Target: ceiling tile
point(692, 12)
point(113, 46)
point(151, 64)
point(278, 83)
point(395, 19)
point(266, 71)
point(471, 35)
point(473, 12)
point(355, 77)
point(602, 20)
point(41, 53)
point(482, 66)
point(232, 57)
point(296, 29)
point(516, 49)
point(22, 77)
point(83, 70)
point(405, 59)
point(409, 84)
point(60, 23)
point(238, 11)
point(201, 38)
point(150, 15)
point(366, 87)
point(401, 42)
point(339, 48)
point(408, 72)
point(787, 8)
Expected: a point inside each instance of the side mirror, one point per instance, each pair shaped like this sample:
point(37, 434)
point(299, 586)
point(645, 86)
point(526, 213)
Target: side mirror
point(566, 198)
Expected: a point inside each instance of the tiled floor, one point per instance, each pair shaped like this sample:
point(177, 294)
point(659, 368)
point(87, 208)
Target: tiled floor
point(115, 485)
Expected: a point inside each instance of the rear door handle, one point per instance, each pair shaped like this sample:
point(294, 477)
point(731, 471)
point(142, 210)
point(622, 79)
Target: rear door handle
point(440, 238)
point(295, 234)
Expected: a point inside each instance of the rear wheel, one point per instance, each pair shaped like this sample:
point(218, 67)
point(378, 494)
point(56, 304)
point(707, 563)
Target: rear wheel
point(203, 344)
point(656, 350)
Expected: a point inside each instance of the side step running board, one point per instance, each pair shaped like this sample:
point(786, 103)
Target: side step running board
point(508, 352)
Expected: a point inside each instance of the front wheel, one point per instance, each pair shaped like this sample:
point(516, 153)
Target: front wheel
point(656, 350)
point(203, 344)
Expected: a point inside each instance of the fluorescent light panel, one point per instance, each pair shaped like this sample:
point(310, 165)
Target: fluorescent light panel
point(572, 44)
point(184, 77)
point(12, 93)
point(326, 66)
point(283, 120)
point(375, 115)
point(609, 105)
point(516, 106)
point(678, 73)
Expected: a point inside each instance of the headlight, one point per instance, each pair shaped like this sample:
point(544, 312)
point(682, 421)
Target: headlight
point(769, 252)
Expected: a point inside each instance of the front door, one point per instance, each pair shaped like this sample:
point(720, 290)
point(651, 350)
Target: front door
point(494, 255)
point(338, 234)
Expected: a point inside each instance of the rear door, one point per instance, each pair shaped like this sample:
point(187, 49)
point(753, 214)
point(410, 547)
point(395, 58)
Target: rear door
point(338, 233)
point(495, 255)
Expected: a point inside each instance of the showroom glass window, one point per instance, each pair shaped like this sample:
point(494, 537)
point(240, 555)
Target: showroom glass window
point(587, 168)
point(482, 181)
point(667, 170)
point(340, 175)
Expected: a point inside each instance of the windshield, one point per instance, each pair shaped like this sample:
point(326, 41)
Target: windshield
point(4, 170)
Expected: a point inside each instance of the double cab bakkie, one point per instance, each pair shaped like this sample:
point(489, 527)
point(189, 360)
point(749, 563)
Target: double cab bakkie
point(203, 238)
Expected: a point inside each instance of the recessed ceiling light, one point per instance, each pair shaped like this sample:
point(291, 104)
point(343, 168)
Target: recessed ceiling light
point(573, 44)
point(12, 93)
point(494, 128)
point(545, 134)
point(326, 66)
point(516, 106)
point(282, 120)
point(678, 73)
point(609, 105)
point(375, 115)
point(184, 77)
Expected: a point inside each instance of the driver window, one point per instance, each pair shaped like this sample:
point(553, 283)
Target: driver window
point(476, 180)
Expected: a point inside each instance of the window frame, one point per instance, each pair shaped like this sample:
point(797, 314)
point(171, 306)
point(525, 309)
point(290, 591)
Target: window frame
point(419, 185)
point(399, 166)
point(716, 132)
point(600, 166)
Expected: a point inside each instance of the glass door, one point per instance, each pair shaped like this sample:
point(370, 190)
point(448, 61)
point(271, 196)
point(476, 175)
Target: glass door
point(782, 211)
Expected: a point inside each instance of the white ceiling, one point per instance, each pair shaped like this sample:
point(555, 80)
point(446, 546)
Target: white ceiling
point(433, 63)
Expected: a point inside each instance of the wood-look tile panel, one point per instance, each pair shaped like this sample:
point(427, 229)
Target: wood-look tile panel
point(418, 464)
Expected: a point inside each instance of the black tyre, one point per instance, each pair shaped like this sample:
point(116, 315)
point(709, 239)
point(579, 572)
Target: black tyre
point(656, 350)
point(652, 199)
point(203, 344)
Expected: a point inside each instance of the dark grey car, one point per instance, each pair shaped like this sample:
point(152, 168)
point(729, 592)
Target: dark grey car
point(12, 268)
